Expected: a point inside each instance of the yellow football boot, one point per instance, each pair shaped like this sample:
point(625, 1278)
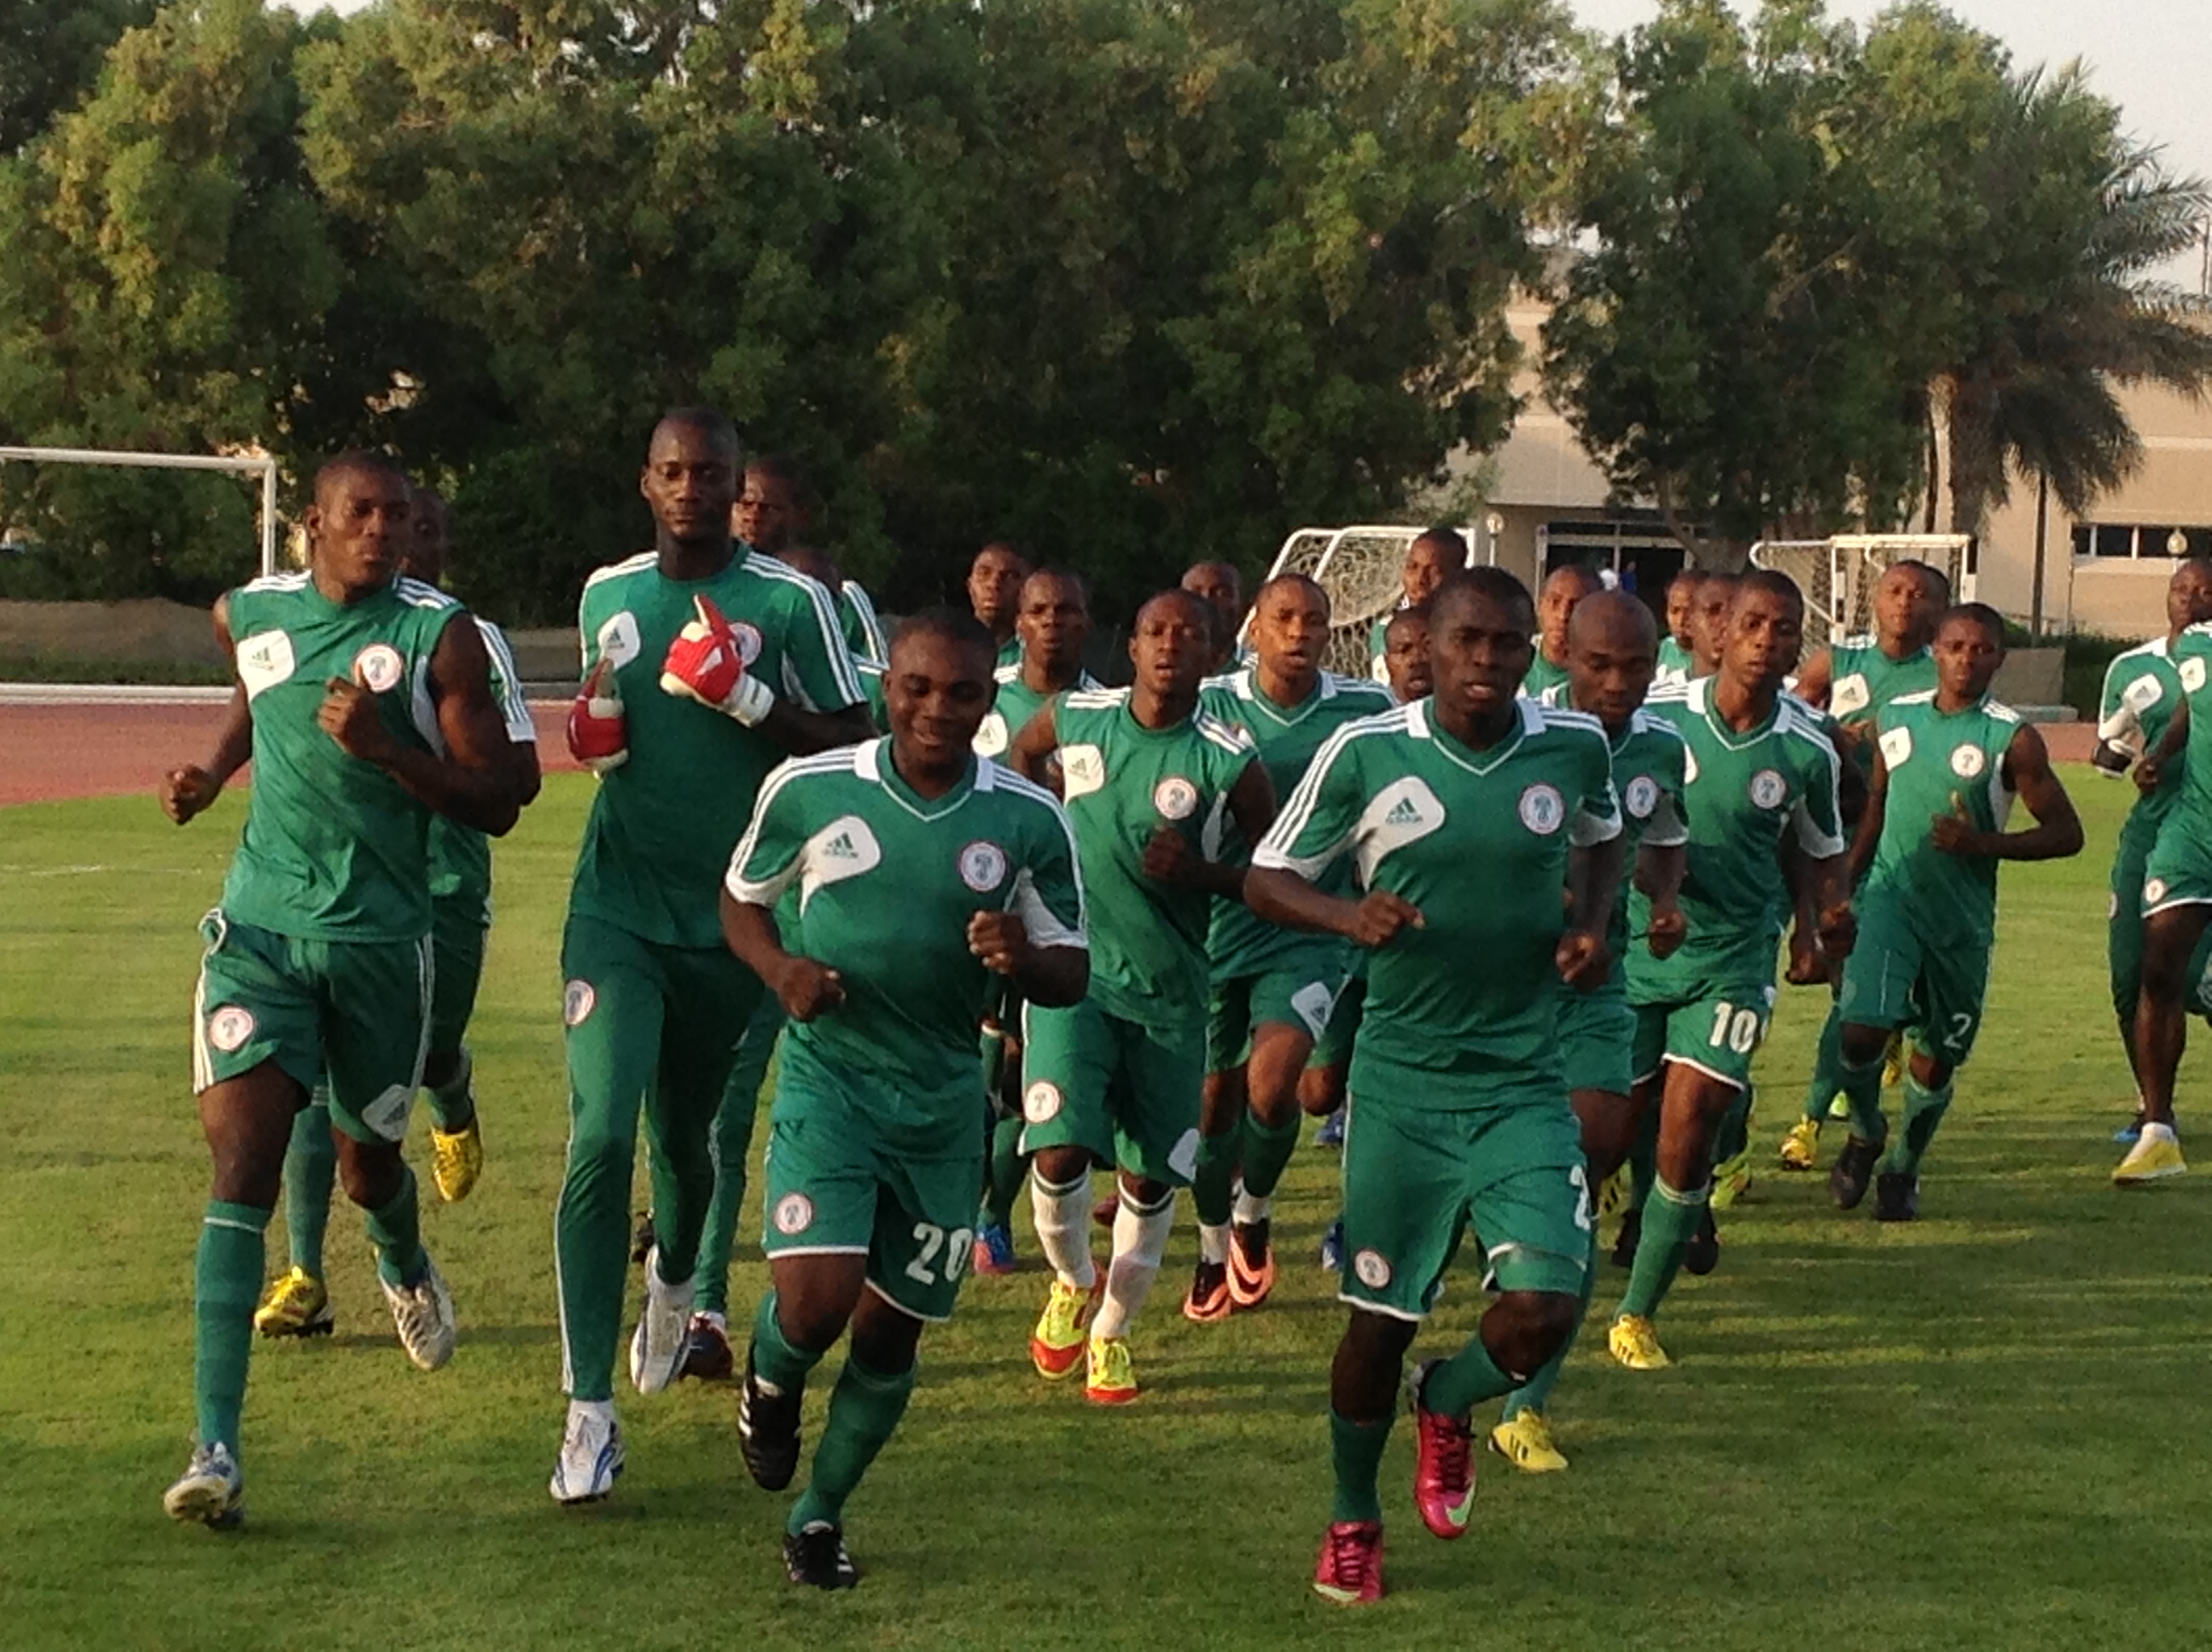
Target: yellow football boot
point(2156, 1156)
point(456, 1160)
point(1112, 1379)
point(1524, 1440)
point(1801, 1148)
point(1056, 1344)
point(1636, 1344)
point(297, 1305)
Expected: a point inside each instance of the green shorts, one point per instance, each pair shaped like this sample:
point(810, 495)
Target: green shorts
point(1299, 992)
point(835, 1186)
point(357, 1010)
point(457, 946)
point(2124, 927)
point(1126, 1090)
point(1597, 1039)
point(1333, 1047)
point(1894, 978)
point(1717, 1032)
point(2177, 872)
point(1414, 1180)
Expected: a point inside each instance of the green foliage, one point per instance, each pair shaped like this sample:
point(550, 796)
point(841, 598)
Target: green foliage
point(50, 55)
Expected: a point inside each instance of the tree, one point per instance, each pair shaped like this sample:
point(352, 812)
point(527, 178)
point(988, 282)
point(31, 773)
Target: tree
point(50, 55)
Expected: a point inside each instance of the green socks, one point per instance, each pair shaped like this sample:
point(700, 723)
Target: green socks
point(1267, 1150)
point(1670, 1220)
point(395, 1228)
point(1734, 1133)
point(1213, 1183)
point(780, 1364)
point(1924, 1111)
point(1007, 1172)
point(864, 1407)
point(1828, 1068)
point(730, 1145)
point(311, 1167)
point(1470, 1377)
point(1861, 1088)
point(1533, 1395)
point(1355, 1451)
point(226, 1282)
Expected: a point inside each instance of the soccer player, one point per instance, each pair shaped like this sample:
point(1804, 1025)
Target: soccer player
point(1564, 591)
point(1948, 762)
point(365, 710)
point(2143, 687)
point(1437, 553)
point(776, 509)
point(1759, 771)
point(702, 669)
point(1676, 657)
point(1272, 989)
point(1612, 646)
point(1222, 589)
point(1709, 621)
point(1148, 777)
point(994, 592)
point(924, 871)
point(298, 1302)
point(1486, 838)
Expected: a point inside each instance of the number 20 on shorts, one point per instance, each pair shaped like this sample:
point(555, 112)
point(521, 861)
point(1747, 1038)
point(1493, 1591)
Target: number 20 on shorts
point(1737, 1030)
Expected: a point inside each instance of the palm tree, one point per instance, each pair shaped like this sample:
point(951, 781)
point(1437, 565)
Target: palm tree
point(2067, 310)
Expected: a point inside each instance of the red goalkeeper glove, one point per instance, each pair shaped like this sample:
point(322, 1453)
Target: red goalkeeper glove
point(704, 663)
point(599, 737)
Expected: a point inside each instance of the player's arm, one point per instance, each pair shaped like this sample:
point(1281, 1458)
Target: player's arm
point(189, 789)
point(1314, 829)
point(2151, 769)
point(2057, 832)
point(1593, 865)
point(1822, 862)
point(1869, 837)
point(1029, 754)
point(1038, 943)
point(476, 782)
point(1815, 678)
point(766, 862)
point(515, 715)
point(1170, 858)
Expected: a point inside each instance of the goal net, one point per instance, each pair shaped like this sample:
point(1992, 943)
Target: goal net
point(1839, 575)
point(1361, 568)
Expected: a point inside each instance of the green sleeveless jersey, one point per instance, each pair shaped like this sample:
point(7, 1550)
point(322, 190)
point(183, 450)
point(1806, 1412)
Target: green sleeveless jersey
point(1121, 780)
point(2192, 656)
point(658, 842)
point(1237, 943)
point(1937, 761)
point(1017, 703)
point(1378, 648)
point(1676, 663)
point(1863, 680)
point(1543, 675)
point(1478, 840)
point(863, 630)
point(334, 847)
point(460, 856)
point(1647, 761)
point(886, 882)
point(1742, 792)
point(2143, 687)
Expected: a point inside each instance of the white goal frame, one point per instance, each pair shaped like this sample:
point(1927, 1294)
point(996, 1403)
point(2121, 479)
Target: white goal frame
point(263, 467)
point(1315, 551)
point(1837, 574)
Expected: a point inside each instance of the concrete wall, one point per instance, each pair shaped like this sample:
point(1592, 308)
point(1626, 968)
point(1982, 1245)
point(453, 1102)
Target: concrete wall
point(148, 631)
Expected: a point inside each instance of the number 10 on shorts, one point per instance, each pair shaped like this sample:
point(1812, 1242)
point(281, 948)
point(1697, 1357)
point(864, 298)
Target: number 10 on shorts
point(1736, 1029)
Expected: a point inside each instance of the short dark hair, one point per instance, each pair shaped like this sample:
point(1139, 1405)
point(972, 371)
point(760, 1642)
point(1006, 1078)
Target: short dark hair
point(954, 625)
point(1978, 613)
point(790, 472)
point(710, 422)
point(1291, 578)
point(1412, 614)
point(1689, 576)
point(1492, 585)
point(358, 461)
point(1177, 593)
point(1771, 580)
point(1066, 576)
point(1934, 575)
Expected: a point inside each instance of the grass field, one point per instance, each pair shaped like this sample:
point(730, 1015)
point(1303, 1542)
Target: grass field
point(1987, 1429)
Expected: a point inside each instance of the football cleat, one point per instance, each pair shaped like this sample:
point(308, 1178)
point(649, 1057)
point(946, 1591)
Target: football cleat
point(1332, 1247)
point(1632, 1341)
point(297, 1305)
point(706, 1356)
point(1208, 1299)
point(1350, 1570)
point(591, 1458)
point(1839, 1106)
point(422, 1313)
point(1056, 1344)
point(1892, 1062)
point(994, 1248)
point(1801, 1148)
point(1524, 1439)
point(1110, 1379)
point(1852, 1171)
point(1897, 1197)
point(1443, 1461)
point(2155, 1157)
point(1251, 1263)
point(768, 1431)
point(457, 1160)
point(210, 1493)
point(1703, 1254)
point(815, 1555)
point(1731, 1179)
point(664, 1324)
point(1331, 1133)
point(1613, 1193)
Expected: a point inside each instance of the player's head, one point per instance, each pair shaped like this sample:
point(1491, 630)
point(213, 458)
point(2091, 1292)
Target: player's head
point(937, 687)
point(691, 475)
point(2189, 594)
point(1222, 589)
point(360, 524)
point(1766, 630)
point(1612, 649)
point(1434, 555)
point(1709, 619)
point(1053, 620)
point(429, 545)
point(1969, 646)
point(1171, 644)
point(1406, 654)
point(1907, 600)
point(1681, 604)
point(774, 507)
point(805, 559)
point(1481, 625)
point(994, 585)
point(1566, 587)
point(1289, 624)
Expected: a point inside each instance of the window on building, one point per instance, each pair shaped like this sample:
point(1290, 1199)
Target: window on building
point(2140, 541)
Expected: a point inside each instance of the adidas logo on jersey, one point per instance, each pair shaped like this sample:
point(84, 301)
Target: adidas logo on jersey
point(1403, 813)
point(841, 847)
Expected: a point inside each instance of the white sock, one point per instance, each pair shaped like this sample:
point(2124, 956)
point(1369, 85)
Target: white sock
point(1212, 1241)
point(599, 1411)
point(1063, 1228)
point(1140, 1239)
point(2152, 1131)
point(1250, 1208)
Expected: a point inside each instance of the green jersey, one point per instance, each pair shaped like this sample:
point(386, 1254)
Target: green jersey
point(1863, 680)
point(1238, 942)
point(1543, 677)
point(1937, 761)
point(2143, 687)
point(1378, 645)
point(1676, 663)
point(334, 847)
point(1478, 840)
point(886, 882)
point(1742, 792)
point(1123, 782)
point(1017, 703)
point(2192, 656)
point(871, 689)
point(661, 825)
point(1010, 652)
point(1647, 761)
point(460, 856)
point(862, 629)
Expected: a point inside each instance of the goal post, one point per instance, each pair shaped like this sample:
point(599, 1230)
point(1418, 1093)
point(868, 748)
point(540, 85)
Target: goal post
point(240, 464)
point(1362, 568)
point(1839, 575)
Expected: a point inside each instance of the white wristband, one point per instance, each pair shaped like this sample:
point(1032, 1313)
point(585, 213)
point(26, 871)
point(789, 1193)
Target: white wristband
point(751, 701)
